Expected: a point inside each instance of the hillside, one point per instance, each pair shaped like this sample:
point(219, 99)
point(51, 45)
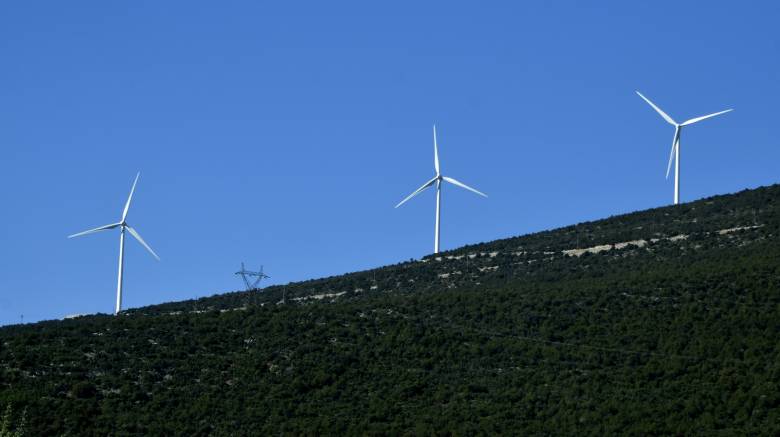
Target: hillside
point(660, 321)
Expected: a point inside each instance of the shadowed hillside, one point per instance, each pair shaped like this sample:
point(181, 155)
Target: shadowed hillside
point(660, 321)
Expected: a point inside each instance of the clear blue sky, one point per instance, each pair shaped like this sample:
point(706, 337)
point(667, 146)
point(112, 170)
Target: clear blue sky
point(283, 133)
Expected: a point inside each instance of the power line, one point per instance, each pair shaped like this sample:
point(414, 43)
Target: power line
point(251, 279)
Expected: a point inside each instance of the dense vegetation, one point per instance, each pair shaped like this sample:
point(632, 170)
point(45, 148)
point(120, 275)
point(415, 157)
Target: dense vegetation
point(10, 427)
point(662, 321)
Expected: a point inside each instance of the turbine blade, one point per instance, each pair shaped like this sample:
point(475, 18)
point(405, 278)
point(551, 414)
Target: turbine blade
point(675, 143)
point(92, 231)
point(141, 240)
point(704, 117)
point(462, 185)
point(416, 192)
point(658, 110)
point(129, 198)
point(435, 152)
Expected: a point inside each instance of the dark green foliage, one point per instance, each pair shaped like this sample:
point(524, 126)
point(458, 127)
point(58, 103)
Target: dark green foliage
point(11, 428)
point(674, 334)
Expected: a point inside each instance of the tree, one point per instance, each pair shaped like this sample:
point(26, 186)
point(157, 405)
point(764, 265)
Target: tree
point(7, 429)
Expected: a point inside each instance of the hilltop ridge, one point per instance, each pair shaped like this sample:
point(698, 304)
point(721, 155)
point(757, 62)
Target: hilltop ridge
point(723, 215)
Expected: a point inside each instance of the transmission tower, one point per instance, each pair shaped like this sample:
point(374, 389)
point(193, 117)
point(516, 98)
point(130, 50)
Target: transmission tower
point(251, 279)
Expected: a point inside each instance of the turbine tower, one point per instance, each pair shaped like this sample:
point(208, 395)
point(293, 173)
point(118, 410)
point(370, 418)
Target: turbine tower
point(675, 153)
point(438, 180)
point(123, 226)
point(251, 284)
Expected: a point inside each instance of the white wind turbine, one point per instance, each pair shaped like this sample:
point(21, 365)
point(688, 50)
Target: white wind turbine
point(122, 224)
point(438, 181)
point(675, 153)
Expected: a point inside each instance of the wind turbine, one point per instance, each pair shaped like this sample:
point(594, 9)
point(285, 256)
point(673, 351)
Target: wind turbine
point(123, 226)
point(438, 179)
point(675, 153)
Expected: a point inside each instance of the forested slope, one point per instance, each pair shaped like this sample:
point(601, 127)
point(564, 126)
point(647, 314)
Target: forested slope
point(661, 321)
